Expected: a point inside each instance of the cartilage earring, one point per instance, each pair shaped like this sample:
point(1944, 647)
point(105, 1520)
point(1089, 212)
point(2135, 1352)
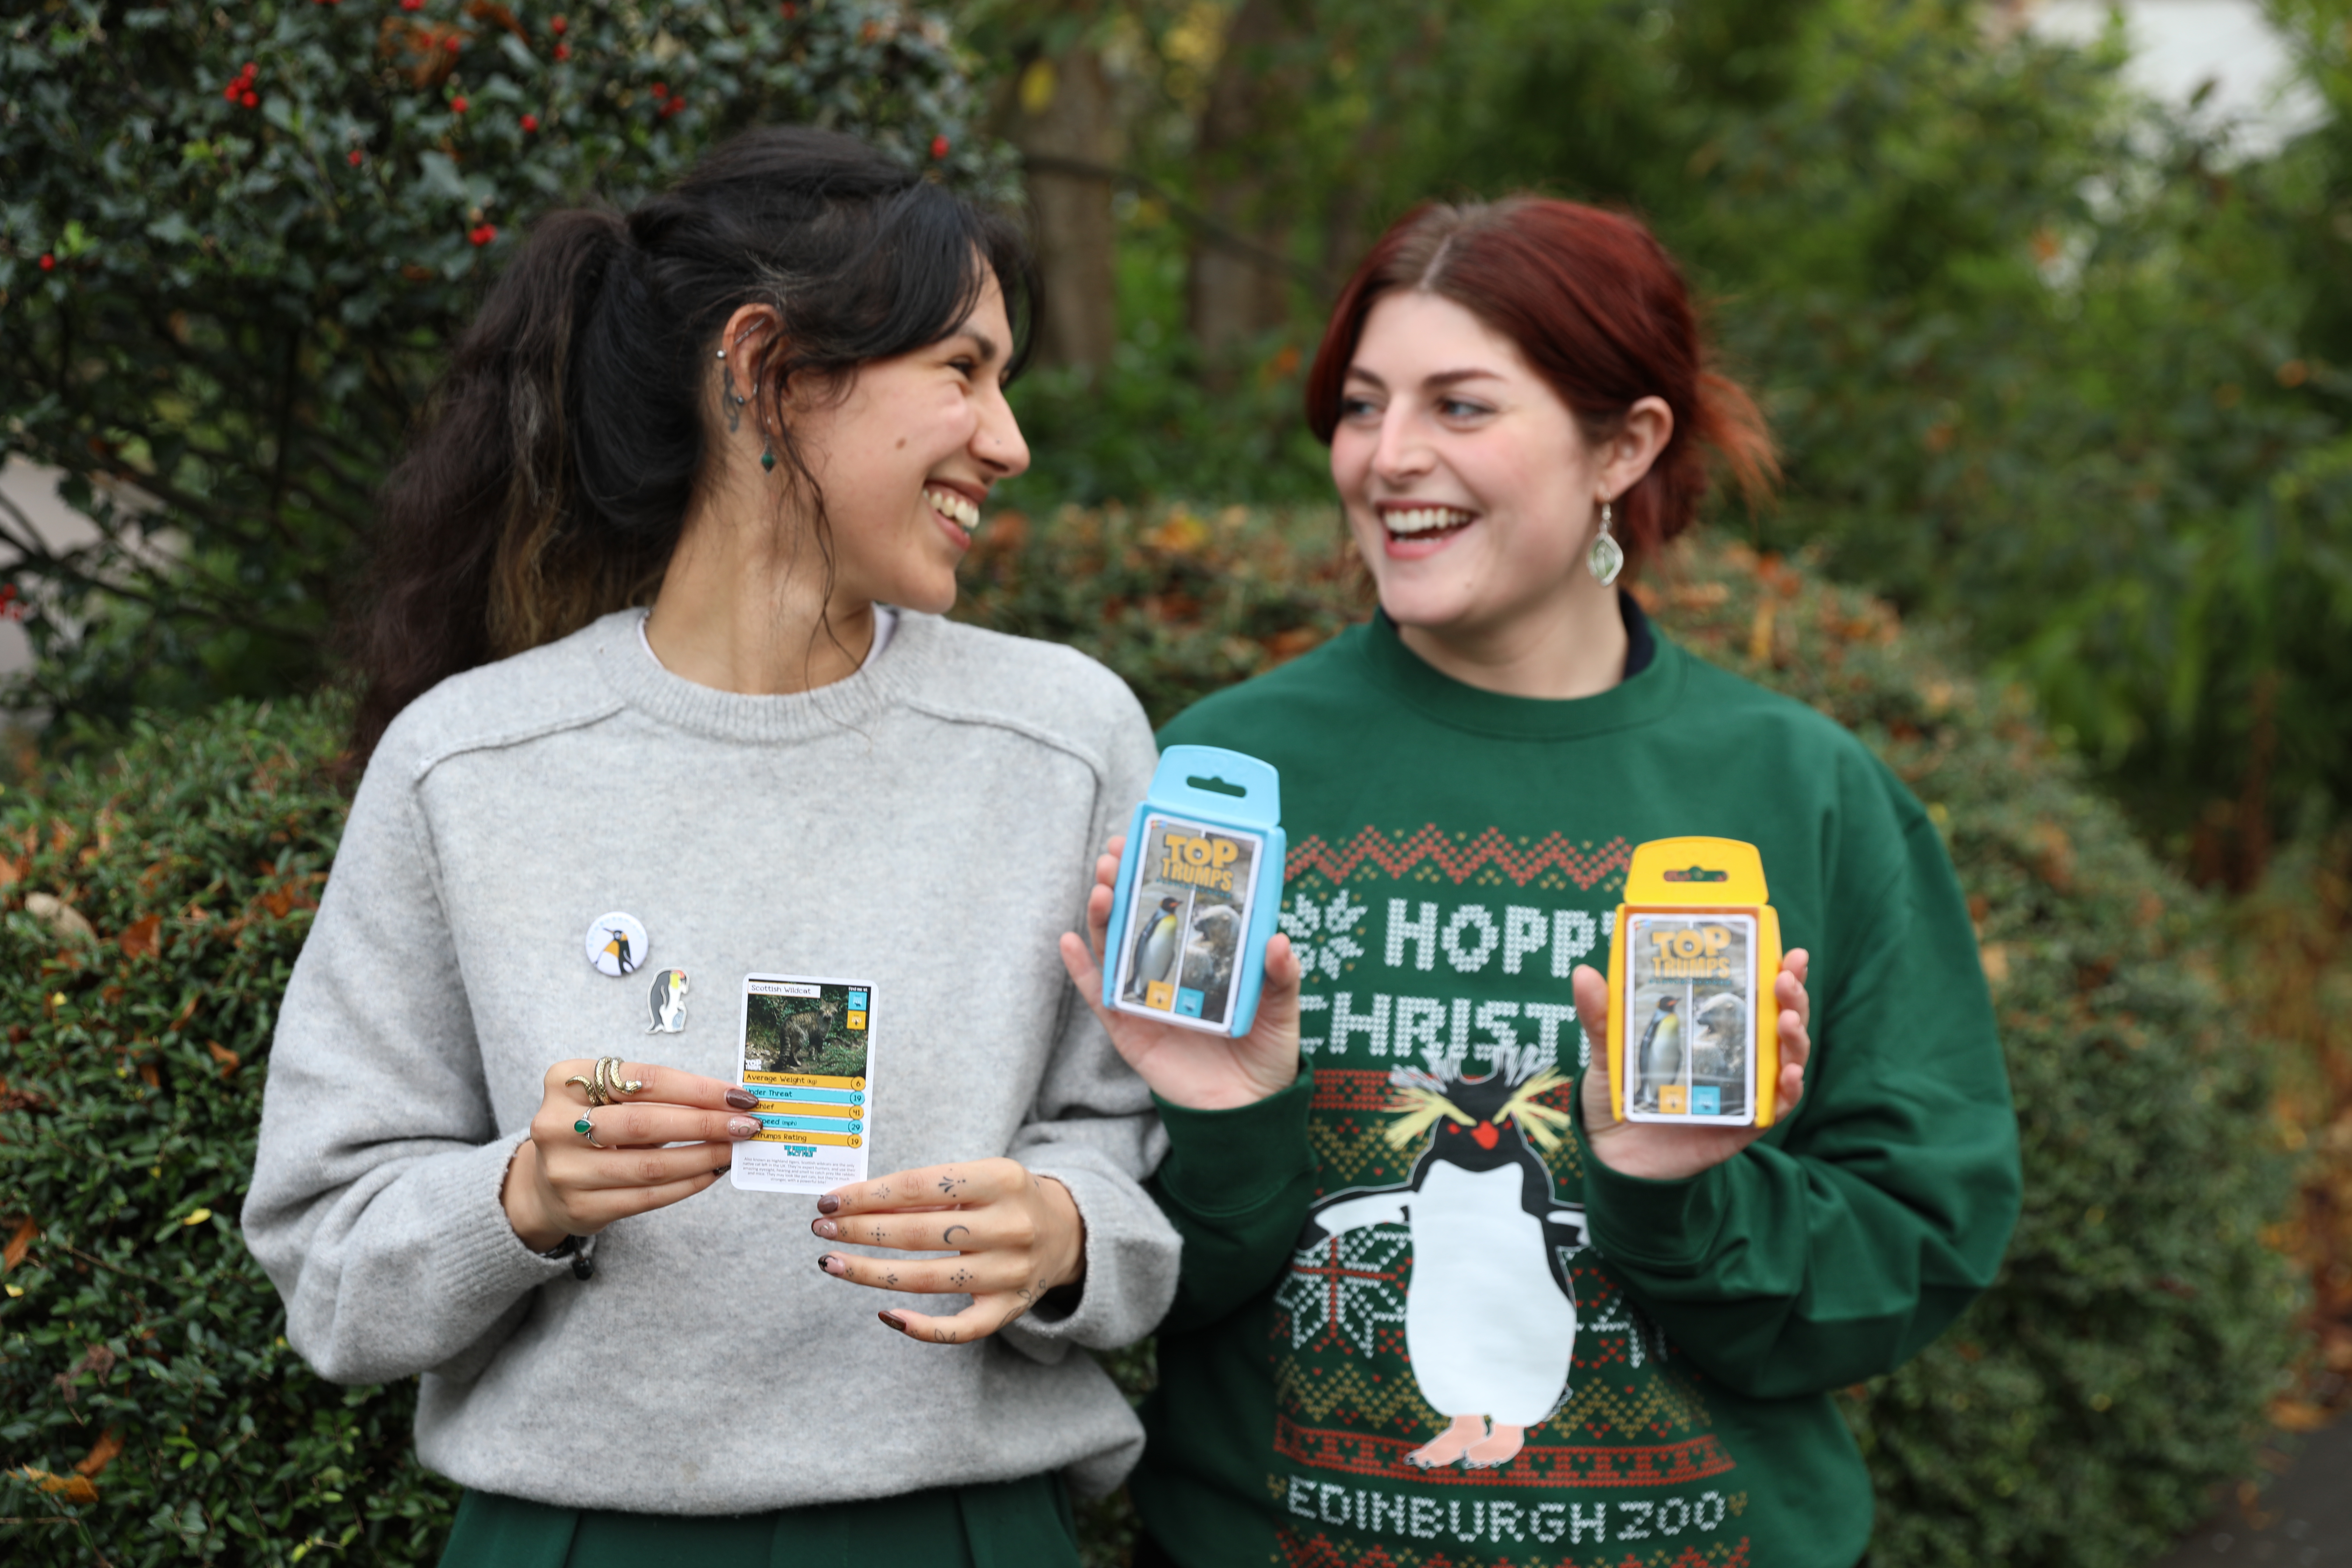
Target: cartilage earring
point(1607, 557)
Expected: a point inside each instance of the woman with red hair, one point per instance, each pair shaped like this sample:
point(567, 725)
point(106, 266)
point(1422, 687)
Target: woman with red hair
point(1515, 1328)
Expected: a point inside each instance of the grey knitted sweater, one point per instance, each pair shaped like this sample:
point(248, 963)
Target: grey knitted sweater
point(929, 825)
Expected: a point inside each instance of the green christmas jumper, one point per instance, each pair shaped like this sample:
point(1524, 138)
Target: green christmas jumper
point(1670, 1347)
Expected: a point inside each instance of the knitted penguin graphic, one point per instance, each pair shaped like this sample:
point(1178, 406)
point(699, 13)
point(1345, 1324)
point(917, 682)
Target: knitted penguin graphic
point(1490, 1319)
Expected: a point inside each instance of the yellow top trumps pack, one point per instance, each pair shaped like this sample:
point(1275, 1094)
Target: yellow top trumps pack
point(1694, 1031)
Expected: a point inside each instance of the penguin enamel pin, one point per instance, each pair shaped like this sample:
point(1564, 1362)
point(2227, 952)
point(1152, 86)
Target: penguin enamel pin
point(616, 943)
point(667, 1002)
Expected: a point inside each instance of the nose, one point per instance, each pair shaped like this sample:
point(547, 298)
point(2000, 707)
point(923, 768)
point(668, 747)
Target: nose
point(1485, 1135)
point(996, 440)
point(1402, 455)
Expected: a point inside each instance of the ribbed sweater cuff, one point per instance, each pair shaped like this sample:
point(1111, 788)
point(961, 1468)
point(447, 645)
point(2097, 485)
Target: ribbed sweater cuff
point(1225, 1162)
point(485, 1264)
point(1658, 1226)
point(1131, 1261)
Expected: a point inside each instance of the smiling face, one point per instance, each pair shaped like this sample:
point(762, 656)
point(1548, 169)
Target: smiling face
point(906, 458)
point(1469, 487)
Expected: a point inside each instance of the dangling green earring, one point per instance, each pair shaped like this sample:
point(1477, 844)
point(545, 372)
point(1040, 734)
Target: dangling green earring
point(768, 460)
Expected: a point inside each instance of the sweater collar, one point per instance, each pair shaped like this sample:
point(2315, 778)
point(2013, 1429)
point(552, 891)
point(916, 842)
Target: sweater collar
point(884, 679)
point(1648, 693)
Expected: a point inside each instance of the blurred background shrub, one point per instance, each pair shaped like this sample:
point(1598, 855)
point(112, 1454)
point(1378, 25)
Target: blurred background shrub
point(234, 244)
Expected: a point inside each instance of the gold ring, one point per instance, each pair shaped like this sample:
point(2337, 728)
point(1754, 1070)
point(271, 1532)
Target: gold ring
point(608, 1068)
point(594, 1091)
point(586, 1128)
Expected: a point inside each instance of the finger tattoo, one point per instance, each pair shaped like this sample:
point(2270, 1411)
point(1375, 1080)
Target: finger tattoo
point(961, 1277)
point(948, 1237)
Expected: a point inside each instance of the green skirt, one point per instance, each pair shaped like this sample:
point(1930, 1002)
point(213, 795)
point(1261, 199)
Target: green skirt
point(1015, 1524)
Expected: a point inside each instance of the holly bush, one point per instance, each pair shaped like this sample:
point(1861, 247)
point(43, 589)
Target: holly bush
point(2079, 1414)
point(236, 240)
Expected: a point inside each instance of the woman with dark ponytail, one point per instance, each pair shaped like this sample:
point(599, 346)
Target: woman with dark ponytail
point(657, 690)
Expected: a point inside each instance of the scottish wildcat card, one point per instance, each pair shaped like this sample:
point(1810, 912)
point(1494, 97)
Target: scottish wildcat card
point(806, 1049)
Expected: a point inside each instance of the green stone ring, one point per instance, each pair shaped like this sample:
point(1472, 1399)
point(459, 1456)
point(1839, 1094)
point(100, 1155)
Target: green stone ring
point(587, 1129)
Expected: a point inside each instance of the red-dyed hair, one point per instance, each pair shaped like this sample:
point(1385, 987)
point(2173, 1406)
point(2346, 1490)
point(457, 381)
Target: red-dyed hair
point(1601, 311)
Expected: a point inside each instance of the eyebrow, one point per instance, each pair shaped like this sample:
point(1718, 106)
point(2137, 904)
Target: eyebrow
point(1441, 378)
point(986, 344)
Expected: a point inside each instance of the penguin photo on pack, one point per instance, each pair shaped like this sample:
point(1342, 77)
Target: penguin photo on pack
point(1155, 941)
point(1659, 1059)
point(1490, 1314)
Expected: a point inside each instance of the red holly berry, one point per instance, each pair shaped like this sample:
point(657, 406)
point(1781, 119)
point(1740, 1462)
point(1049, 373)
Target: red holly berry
point(563, 52)
point(230, 93)
point(251, 100)
point(352, 157)
point(672, 107)
point(556, 25)
point(940, 145)
point(483, 234)
point(530, 122)
point(788, 10)
point(453, 43)
point(661, 89)
point(251, 70)
point(412, 5)
point(457, 106)
point(48, 262)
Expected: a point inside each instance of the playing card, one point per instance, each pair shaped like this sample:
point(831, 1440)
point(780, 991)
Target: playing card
point(1187, 911)
point(806, 1049)
point(1689, 1017)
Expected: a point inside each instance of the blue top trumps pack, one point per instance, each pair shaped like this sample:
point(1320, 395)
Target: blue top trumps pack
point(1200, 887)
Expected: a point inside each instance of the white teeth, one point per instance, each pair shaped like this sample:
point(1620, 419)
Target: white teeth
point(953, 506)
point(1425, 520)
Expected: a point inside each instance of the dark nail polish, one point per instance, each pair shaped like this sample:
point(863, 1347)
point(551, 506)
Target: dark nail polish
point(893, 1320)
point(742, 1099)
point(827, 1204)
point(829, 1264)
point(826, 1228)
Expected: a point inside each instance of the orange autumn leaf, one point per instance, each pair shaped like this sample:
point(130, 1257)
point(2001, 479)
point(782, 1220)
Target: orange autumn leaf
point(223, 1055)
point(20, 1243)
point(140, 938)
point(101, 1454)
point(76, 1488)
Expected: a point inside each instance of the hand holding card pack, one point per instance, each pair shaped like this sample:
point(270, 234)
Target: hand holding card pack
point(1694, 1031)
point(1200, 887)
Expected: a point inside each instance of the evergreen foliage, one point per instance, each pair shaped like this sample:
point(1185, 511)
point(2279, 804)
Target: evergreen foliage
point(2079, 1416)
point(236, 243)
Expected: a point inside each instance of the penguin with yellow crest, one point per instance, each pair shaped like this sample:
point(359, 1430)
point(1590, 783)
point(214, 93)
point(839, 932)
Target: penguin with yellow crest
point(1490, 1315)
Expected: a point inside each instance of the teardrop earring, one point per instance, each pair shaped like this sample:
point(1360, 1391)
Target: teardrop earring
point(1607, 557)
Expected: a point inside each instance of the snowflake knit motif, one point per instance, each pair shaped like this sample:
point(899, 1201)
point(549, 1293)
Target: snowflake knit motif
point(1319, 931)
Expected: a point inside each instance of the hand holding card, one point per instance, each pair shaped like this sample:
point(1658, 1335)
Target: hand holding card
point(1014, 1235)
point(1663, 1151)
point(1185, 1066)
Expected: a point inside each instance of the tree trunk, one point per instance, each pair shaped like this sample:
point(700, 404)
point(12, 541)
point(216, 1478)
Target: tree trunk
point(1235, 295)
point(1062, 115)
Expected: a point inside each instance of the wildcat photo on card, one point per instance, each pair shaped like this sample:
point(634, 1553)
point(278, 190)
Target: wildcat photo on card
point(806, 1051)
point(820, 1034)
point(1187, 914)
point(1689, 1017)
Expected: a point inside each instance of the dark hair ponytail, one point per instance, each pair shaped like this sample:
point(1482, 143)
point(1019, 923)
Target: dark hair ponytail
point(551, 477)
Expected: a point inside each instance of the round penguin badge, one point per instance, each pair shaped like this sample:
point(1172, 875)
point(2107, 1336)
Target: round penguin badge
point(616, 943)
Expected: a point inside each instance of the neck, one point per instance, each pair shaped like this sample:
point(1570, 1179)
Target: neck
point(1574, 645)
point(742, 606)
